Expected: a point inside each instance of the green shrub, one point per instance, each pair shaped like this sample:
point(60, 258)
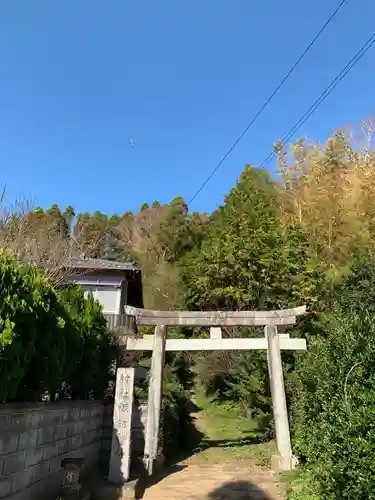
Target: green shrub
point(89, 368)
point(334, 412)
point(50, 342)
point(32, 341)
point(334, 400)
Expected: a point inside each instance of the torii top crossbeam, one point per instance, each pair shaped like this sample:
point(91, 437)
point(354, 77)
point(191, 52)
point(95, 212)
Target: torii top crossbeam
point(215, 318)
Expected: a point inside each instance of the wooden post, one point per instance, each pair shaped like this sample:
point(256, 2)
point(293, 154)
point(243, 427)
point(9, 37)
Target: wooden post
point(155, 391)
point(280, 411)
point(119, 468)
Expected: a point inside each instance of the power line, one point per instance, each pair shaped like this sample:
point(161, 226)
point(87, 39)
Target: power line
point(341, 4)
point(323, 96)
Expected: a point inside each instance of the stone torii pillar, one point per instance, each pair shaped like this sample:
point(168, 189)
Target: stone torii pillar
point(285, 461)
point(155, 391)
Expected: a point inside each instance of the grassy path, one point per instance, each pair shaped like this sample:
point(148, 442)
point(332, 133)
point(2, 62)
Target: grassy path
point(229, 436)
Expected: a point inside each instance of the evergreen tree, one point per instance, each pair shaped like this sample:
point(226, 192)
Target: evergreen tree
point(247, 260)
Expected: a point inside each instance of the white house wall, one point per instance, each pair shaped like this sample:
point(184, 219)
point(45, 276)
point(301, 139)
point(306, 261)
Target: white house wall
point(105, 287)
point(109, 297)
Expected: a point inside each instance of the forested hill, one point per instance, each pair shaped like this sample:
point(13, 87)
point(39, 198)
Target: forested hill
point(272, 243)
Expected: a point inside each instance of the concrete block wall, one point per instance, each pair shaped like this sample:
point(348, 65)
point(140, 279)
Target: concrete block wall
point(106, 435)
point(34, 438)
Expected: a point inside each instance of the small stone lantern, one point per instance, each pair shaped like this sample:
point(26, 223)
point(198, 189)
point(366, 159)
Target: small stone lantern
point(70, 485)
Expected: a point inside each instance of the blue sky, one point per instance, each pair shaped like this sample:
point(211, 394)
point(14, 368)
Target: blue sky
point(79, 77)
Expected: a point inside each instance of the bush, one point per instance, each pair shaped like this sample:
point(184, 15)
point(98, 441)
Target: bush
point(89, 369)
point(32, 342)
point(46, 338)
point(334, 408)
point(334, 413)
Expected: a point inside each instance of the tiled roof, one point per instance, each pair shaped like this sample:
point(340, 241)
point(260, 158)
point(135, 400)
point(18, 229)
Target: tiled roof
point(109, 265)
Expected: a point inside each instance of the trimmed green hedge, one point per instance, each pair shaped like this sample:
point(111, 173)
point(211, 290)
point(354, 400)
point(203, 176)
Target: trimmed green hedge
point(47, 337)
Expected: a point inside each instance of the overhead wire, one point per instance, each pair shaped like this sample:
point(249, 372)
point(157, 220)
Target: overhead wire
point(323, 96)
point(265, 104)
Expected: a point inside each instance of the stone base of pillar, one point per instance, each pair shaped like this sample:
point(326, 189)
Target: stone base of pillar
point(112, 492)
point(72, 496)
point(282, 464)
point(159, 462)
point(156, 466)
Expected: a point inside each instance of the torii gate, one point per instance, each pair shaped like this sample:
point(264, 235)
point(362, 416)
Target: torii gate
point(158, 343)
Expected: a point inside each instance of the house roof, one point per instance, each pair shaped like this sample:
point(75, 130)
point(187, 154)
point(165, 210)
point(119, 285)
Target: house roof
point(109, 265)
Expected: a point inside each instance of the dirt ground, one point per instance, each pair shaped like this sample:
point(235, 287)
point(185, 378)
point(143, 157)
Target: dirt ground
point(216, 482)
